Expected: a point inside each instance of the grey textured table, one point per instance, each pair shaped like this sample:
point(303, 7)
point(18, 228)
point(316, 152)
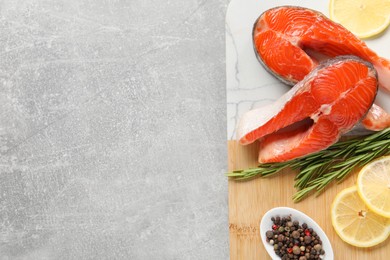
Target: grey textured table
point(113, 130)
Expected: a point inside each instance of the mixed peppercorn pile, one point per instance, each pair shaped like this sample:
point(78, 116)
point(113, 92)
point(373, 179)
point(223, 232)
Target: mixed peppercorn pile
point(294, 241)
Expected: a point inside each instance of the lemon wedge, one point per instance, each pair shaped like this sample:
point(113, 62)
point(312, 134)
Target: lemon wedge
point(355, 223)
point(373, 184)
point(364, 18)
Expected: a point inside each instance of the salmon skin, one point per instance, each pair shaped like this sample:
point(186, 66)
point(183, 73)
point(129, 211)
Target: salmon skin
point(290, 41)
point(313, 114)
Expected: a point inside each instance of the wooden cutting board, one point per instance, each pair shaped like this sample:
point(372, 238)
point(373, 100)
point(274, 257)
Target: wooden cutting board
point(250, 200)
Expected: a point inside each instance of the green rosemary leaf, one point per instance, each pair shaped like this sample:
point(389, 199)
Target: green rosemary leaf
point(316, 171)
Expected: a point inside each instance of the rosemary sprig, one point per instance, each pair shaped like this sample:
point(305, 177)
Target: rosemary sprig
point(316, 171)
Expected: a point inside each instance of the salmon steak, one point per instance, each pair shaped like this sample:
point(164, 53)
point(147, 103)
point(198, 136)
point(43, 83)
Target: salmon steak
point(290, 41)
point(313, 114)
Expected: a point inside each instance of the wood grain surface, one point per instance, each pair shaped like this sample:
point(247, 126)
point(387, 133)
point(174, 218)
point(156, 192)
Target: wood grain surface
point(250, 200)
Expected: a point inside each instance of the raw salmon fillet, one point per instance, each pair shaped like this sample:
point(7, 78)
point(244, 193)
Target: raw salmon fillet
point(290, 41)
point(313, 115)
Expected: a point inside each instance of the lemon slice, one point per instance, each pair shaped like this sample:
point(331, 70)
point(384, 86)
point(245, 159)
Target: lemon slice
point(355, 223)
point(364, 18)
point(373, 185)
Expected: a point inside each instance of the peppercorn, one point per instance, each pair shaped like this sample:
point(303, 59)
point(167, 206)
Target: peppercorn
point(307, 239)
point(296, 250)
point(292, 241)
point(318, 247)
point(292, 228)
point(295, 234)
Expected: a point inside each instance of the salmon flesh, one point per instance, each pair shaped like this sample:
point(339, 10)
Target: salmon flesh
point(290, 41)
point(312, 115)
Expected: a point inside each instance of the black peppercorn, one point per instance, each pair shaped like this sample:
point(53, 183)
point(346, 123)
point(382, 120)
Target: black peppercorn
point(292, 228)
point(269, 234)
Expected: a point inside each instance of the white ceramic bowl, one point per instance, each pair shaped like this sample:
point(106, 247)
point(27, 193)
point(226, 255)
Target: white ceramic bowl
point(266, 224)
